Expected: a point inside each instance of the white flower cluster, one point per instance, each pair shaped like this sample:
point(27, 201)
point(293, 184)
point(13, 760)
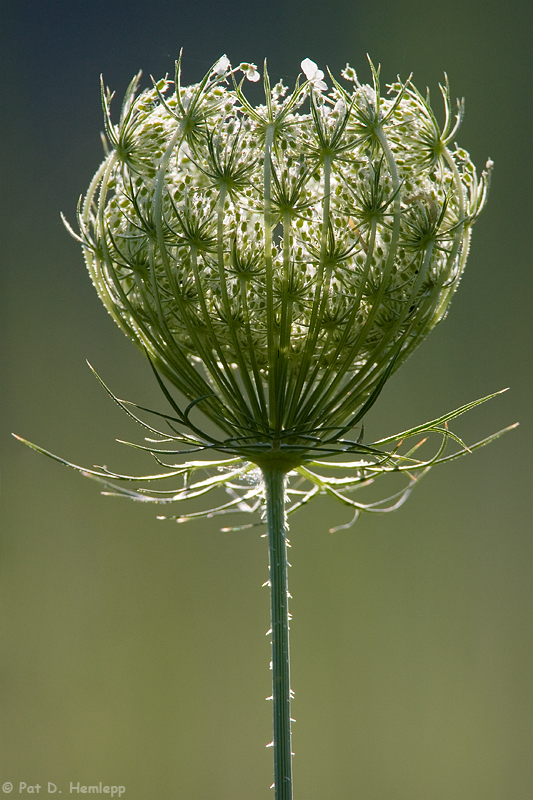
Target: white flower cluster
point(299, 250)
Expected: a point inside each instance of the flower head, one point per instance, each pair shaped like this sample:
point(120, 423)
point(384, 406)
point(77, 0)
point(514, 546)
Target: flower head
point(278, 262)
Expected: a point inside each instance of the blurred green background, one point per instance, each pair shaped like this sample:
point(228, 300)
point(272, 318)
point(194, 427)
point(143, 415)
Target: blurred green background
point(134, 650)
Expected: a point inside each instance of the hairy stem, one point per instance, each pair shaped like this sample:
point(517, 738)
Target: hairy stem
point(274, 480)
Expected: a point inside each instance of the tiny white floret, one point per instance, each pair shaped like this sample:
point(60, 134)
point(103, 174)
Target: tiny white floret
point(340, 106)
point(313, 74)
point(309, 69)
point(222, 65)
point(250, 70)
point(349, 74)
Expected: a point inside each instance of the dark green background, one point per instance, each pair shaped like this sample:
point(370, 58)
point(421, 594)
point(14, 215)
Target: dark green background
point(134, 650)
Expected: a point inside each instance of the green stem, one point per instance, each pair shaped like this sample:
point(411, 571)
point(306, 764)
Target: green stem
point(274, 480)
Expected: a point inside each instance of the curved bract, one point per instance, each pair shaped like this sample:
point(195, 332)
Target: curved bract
point(278, 262)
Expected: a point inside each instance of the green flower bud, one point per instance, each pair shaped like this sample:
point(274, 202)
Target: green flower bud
point(278, 262)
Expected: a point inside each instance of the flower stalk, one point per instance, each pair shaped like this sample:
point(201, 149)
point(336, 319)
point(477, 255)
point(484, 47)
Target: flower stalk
point(274, 482)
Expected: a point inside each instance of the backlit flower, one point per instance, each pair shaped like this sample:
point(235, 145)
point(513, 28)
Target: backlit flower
point(278, 262)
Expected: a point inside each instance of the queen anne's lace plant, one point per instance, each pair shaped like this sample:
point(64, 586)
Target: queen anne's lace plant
point(277, 263)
